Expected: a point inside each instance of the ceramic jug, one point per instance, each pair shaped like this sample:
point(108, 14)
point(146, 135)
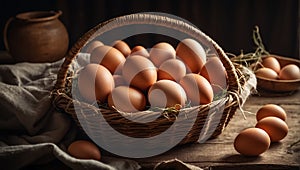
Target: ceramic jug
point(36, 36)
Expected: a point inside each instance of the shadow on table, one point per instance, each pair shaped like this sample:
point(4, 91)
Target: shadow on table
point(237, 158)
point(238, 161)
point(255, 167)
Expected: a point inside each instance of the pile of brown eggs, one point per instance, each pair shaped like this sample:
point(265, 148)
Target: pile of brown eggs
point(271, 69)
point(270, 127)
point(131, 79)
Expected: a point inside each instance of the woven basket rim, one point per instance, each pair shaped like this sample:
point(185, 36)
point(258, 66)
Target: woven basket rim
point(142, 18)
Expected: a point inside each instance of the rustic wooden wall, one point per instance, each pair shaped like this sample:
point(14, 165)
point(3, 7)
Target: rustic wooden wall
point(228, 22)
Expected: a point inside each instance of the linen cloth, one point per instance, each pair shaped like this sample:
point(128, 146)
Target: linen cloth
point(33, 133)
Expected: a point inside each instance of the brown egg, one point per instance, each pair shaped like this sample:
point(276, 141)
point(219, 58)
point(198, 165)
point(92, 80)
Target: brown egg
point(119, 69)
point(197, 88)
point(266, 73)
point(161, 52)
point(192, 54)
point(122, 47)
point(172, 69)
point(140, 50)
point(214, 71)
point(83, 149)
point(92, 45)
point(274, 126)
point(107, 56)
point(95, 82)
point(271, 110)
point(166, 93)
point(139, 72)
point(289, 72)
point(127, 99)
point(252, 142)
point(119, 80)
point(272, 63)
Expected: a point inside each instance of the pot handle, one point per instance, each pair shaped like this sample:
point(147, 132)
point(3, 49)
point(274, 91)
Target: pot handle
point(5, 32)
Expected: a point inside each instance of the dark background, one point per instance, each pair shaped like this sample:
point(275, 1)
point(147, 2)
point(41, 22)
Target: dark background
point(229, 22)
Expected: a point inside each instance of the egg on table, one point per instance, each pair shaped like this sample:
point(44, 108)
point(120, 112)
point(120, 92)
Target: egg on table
point(276, 128)
point(252, 142)
point(271, 110)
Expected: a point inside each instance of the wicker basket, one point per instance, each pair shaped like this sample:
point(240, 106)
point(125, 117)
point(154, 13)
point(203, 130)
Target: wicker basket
point(198, 123)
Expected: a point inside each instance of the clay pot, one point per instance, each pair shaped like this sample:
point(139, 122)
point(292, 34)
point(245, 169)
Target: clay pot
point(37, 36)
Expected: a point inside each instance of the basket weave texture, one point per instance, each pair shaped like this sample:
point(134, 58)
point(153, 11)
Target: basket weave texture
point(203, 121)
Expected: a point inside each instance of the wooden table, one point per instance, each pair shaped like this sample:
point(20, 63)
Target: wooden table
point(219, 153)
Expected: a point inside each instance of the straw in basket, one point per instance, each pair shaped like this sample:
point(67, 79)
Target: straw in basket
point(192, 124)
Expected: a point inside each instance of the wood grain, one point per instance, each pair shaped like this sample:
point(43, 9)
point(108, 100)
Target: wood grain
point(219, 153)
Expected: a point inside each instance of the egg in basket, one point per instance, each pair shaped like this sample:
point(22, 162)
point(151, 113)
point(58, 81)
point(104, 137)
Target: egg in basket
point(137, 100)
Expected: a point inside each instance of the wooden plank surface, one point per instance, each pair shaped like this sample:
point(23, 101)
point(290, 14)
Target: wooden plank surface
point(219, 153)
